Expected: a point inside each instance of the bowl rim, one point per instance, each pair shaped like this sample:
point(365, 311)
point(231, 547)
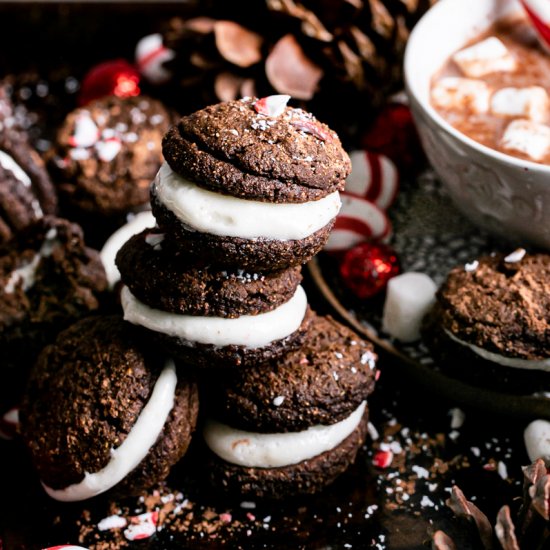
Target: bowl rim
point(435, 12)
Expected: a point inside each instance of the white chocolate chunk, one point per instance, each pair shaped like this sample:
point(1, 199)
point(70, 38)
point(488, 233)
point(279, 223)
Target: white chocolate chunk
point(409, 296)
point(485, 57)
point(527, 137)
point(531, 103)
point(461, 93)
point(537, 440)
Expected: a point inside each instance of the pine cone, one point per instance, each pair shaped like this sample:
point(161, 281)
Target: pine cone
point(340, 58)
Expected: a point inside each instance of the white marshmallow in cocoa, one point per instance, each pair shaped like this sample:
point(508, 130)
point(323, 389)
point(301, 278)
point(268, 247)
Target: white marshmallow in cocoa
point(453, 92)
point(485, 57)
point(527, 137)
point(531, 102)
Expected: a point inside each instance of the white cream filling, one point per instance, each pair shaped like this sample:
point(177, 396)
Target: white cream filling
point(260, 450)
point(114, 243)
point(514, 362)
point(133, 449)
point(224, 215)
point(251, 331)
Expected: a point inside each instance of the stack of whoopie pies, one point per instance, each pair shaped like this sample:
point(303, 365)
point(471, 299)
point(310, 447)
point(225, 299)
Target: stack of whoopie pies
point(248, 193)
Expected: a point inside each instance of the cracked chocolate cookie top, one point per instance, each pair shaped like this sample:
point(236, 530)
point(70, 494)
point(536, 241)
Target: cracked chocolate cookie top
point(248, 150)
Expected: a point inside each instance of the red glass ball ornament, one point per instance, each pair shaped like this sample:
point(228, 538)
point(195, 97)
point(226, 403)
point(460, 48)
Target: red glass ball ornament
point(366, 268)
point(393, 133)
point(115, 77)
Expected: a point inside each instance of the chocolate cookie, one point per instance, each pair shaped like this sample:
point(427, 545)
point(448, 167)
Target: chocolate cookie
point(250, 183)
point(26, 192)
point(101, 411)
point(108, 152)
point(491, 322)
point(294, 425)
point(48, 280)
point(207, 316)
point(160, 274)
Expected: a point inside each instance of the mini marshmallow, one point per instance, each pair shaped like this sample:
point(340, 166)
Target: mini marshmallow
point(453, 92)
point(409, 297)
point(527, 137)
point(485, 57)
point(531, 103)
point(537, 440)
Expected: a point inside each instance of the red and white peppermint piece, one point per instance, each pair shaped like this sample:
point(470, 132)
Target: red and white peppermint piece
point(272, 106)
point(373, 177)
point(359, 220)
point(108, 149)
point(539, 12)
point(86, 133)
point(142, 526)
point(311, 127)
point(9, 424)
point(150, 55)
point(383, 459)
point(66, 547)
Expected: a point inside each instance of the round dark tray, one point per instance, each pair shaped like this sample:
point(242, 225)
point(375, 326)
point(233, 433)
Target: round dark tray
point(430, 236)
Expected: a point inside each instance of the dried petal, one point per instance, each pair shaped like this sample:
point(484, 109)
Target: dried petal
point(505, 530)
point(290, 71)
point(442, 541)
point(272, 106)
point(238, 45)
point(464, 508)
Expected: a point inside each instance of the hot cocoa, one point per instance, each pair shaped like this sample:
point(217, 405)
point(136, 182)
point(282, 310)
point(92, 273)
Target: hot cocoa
point(495, 91)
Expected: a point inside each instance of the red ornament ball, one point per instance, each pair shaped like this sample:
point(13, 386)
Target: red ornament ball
point(116, 77)
point(366, 268)
point(393, 133)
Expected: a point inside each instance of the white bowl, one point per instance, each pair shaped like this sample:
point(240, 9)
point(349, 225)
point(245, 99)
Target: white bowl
point(506, 195)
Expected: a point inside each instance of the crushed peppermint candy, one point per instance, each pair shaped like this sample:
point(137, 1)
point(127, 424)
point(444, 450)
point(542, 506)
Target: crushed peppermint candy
point(515, 256)
point(422, 473)
point(368, 359)
point(502, 470)
point(248, 505)
point(383, 459)
point(457, 418)
point(278, 401)
point(86, 133)
point(142, 526)
point(311, 127)
point(155, 240)
point(472, 266)
point(272, 106)
point(107, 150)
point(112, 522)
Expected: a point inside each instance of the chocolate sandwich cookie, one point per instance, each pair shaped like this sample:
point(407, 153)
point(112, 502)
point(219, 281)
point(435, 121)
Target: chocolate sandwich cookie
point(490, 325)
point(293, 425)
point(26, 192)
point(48, 280)
point(103, 412)
point(207, 316)
point(106, 155)
point(250, 183)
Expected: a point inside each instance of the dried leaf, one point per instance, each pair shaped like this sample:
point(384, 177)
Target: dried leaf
point(238, 45)
point(442, 541)
point(505, 530)
point(464, 508)
point(290, 71)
